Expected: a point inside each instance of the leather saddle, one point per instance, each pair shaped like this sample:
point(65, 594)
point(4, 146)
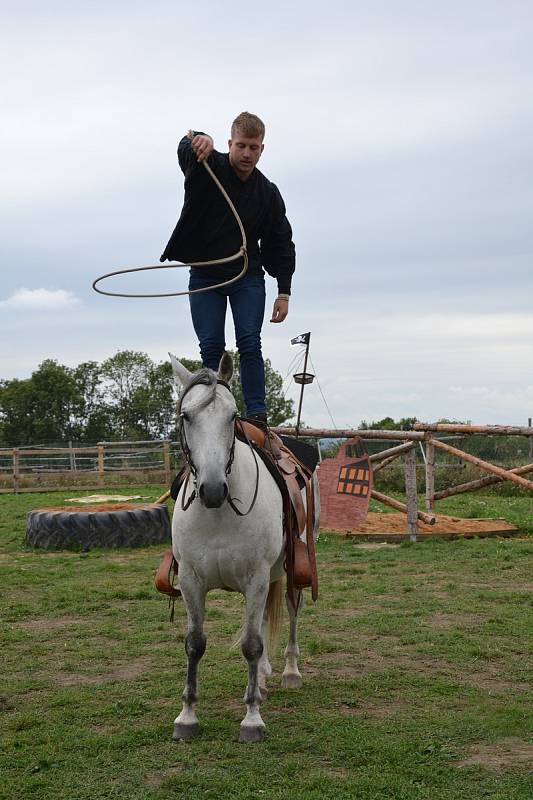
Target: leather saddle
point(292, 474)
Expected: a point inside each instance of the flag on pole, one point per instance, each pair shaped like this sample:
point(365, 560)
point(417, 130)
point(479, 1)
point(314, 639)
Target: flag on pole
point(303, 338)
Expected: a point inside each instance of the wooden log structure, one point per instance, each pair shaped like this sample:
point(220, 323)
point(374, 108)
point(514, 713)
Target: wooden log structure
point(505, 474)
point(392, 452)
point(450, 427)
point(410, 493)
point(480, 483)
point(349, 433)
point(401, 449)
point(430, 474)
point(429, 519)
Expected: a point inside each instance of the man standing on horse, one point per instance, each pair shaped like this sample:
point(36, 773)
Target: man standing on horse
point(207, 230)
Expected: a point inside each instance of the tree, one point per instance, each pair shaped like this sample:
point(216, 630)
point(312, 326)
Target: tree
point(127, 396)
point(94, 415)
point(40, 409)
point(16, 412)
point(389, 424)
point(140, 394)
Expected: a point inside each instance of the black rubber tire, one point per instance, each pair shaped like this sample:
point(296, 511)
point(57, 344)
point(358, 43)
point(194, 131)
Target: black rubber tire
point(135, 526)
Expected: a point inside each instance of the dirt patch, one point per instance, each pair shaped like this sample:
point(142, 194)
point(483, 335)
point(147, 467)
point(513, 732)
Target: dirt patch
point(123, 672)
point(490, 675)
point(103, 729)
point(379, 710)
point(499, 756)
point(441, 620)
point(44, 624)
point(494, 676)
point(159, 777)
point(344, 665)
point(379, 522)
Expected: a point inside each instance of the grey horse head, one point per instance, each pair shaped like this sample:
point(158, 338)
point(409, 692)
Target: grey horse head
point(207, 412)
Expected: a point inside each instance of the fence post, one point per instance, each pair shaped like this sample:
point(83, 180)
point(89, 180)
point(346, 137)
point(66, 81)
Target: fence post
point(430, 475)
point(16, 470)
point(100, 464)
point(530, 442)
point(72, 456)
point(410, 491)
point(166, 460)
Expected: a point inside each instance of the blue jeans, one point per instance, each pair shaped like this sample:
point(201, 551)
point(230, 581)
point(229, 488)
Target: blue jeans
point(208, 311)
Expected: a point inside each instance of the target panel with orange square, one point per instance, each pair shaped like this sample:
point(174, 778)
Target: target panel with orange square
point(345, 488)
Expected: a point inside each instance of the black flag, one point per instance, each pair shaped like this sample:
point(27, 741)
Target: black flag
point(303, 338)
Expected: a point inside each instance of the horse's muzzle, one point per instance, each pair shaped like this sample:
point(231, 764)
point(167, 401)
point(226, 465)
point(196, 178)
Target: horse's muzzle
point(213, 494)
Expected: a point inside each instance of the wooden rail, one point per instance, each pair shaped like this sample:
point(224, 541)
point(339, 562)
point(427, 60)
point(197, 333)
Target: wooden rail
point(452, 427)
point(348, 433)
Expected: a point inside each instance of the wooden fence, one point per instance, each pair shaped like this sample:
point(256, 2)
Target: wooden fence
point(106, 463)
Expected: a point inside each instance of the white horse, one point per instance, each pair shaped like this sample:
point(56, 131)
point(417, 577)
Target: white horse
point(218, 548)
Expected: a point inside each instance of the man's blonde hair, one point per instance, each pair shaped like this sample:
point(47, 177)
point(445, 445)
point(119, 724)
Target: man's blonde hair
point(248, 125)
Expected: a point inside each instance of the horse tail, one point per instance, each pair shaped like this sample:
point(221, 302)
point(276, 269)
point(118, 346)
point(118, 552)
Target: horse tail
point(274, 607)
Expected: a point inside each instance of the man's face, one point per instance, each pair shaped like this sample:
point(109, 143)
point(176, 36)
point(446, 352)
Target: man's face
point(244, 153)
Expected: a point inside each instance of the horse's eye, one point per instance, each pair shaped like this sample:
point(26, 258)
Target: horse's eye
point(185, 417)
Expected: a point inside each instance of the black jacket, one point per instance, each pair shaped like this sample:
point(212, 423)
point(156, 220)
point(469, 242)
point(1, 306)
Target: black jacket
point(208, 230)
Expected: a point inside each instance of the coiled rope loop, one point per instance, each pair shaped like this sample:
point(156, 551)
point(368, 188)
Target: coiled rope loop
point(242, 252)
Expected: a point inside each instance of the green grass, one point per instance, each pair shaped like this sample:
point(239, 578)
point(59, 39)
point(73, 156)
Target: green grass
point(414, 658)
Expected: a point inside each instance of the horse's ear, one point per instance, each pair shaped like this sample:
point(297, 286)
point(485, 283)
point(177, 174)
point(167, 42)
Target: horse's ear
point(182, 376)
point(225, 368)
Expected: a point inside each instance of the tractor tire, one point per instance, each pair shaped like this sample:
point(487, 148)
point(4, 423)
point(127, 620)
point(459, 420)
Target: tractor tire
point(125, 525)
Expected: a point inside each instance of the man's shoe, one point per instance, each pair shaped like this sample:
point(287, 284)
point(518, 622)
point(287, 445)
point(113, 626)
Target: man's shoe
point(259, 419)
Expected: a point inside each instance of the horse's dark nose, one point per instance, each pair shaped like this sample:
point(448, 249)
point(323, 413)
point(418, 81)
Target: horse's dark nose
point(213, 494)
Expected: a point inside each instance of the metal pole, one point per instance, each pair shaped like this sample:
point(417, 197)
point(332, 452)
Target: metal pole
point(530, 442)
point(302, 389)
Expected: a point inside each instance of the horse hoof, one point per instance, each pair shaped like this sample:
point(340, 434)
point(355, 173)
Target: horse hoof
point(252, 733)
point(182, 731)
point(291, 681)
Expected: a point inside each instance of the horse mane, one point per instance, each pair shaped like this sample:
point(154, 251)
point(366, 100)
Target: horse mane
point(204, 377)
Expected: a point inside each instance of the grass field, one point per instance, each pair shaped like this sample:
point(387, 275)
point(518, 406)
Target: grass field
point(417, 679)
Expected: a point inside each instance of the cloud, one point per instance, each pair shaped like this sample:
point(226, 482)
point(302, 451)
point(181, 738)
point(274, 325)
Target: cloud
point(40, 300)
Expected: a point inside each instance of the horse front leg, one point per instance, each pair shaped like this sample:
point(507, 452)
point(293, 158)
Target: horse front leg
point(264, 666)
point(186, 724)
point(292, 677)
point(252, 726)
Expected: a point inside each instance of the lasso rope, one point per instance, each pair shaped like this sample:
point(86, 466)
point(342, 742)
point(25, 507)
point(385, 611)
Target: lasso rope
point(241, 252)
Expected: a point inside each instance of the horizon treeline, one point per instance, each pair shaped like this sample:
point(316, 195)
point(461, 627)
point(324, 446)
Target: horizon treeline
point(127, 396)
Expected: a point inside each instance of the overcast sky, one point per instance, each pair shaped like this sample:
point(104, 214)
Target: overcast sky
point(399, 133)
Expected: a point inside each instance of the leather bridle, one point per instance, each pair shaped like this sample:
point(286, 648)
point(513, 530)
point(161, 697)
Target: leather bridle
point(191, 468)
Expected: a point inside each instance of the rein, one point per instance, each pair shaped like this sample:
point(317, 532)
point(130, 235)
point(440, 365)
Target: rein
point(192, 468)
point(254, 498)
